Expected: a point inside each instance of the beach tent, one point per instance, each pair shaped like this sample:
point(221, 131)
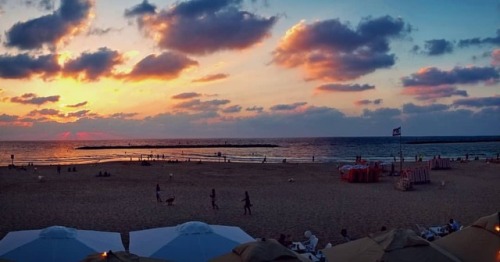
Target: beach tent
point(57, 243)
point(402, 245)
point(260, 251)
point(478, 242)
point(191, 241)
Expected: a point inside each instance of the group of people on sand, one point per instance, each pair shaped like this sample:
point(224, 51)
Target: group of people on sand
point(246, 206)
point(311, 241)
point(213, 199)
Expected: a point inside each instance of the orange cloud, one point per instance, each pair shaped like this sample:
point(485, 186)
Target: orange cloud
point(210, 78)
point(330, 50)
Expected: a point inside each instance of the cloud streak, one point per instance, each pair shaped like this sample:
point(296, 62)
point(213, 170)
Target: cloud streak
point(432, 76)
point(32, 99)
point(202, 106)
point(480, 41)
point(77, 105)
point(287, 107)
point(210, 78)
point(188, 95)
point(432, 93)
point(478, 102)
point(366, 102)
point(344, 87)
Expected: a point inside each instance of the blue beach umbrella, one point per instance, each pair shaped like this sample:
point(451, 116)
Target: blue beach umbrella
point(191, 241)
point(57, 243)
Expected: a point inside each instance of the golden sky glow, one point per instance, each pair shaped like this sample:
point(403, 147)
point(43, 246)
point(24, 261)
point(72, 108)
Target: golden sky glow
point(107, 67)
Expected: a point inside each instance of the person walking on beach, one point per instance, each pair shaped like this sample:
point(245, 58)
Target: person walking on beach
point(158, 198)
point(247, 204)
point(213, 197)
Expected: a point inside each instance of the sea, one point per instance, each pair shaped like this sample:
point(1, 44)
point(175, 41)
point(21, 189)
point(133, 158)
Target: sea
point(291, 150)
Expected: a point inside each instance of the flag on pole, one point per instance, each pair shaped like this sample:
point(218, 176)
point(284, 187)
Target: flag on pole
point(396, 131)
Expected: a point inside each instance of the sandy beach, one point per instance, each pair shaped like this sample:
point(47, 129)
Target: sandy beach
point(318, 200)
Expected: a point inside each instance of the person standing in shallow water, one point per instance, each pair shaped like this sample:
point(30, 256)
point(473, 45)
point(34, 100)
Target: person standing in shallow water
point(247, 204)
point(213, 198)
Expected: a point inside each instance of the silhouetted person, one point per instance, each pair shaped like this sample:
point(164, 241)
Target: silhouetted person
point(214, 198)
point(158, 198)
point(247, 204)
point(346, 237)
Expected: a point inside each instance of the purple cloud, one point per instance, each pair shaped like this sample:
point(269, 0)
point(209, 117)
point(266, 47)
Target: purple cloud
point(25, 66)
point(432, 93)
point(33, 99)
point(188, 95)
point(79, 114)
point(478, 102)
point(287, 107)
point(411, 108)
point(92, 66)
point(198, 105)
point(365, 102)
point(480, 41)
point(432, 76)
point(141, 9)
point(330, 50)
point(8, 118)
point(257, 109)
point(232, 109)
point(165, 66)
point(102, 31)
point(45, 5)
point(438, 47)
point(207, 26)
point(46, 112)
point(50, 29)
point(78, 105)
point(123, 115)
point(344, 87)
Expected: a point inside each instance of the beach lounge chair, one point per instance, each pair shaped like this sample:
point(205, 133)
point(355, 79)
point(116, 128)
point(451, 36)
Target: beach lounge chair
point(426, 233)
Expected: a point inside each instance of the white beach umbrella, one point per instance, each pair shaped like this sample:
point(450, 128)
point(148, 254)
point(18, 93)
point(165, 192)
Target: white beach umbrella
point(57, 243)
point(191, 241)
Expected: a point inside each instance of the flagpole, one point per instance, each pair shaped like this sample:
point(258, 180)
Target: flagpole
point(400, 154)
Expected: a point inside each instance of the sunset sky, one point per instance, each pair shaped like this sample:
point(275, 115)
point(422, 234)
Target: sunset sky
point(121, 69)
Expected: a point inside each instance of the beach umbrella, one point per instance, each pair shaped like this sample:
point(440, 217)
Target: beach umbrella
point(191, 241)
point(260, 251)
point(120, 256)
point(57, 243)
point(478, 242)
point(395, 245)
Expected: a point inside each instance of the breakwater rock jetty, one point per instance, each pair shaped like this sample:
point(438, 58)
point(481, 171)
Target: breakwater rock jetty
point(175, 146)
